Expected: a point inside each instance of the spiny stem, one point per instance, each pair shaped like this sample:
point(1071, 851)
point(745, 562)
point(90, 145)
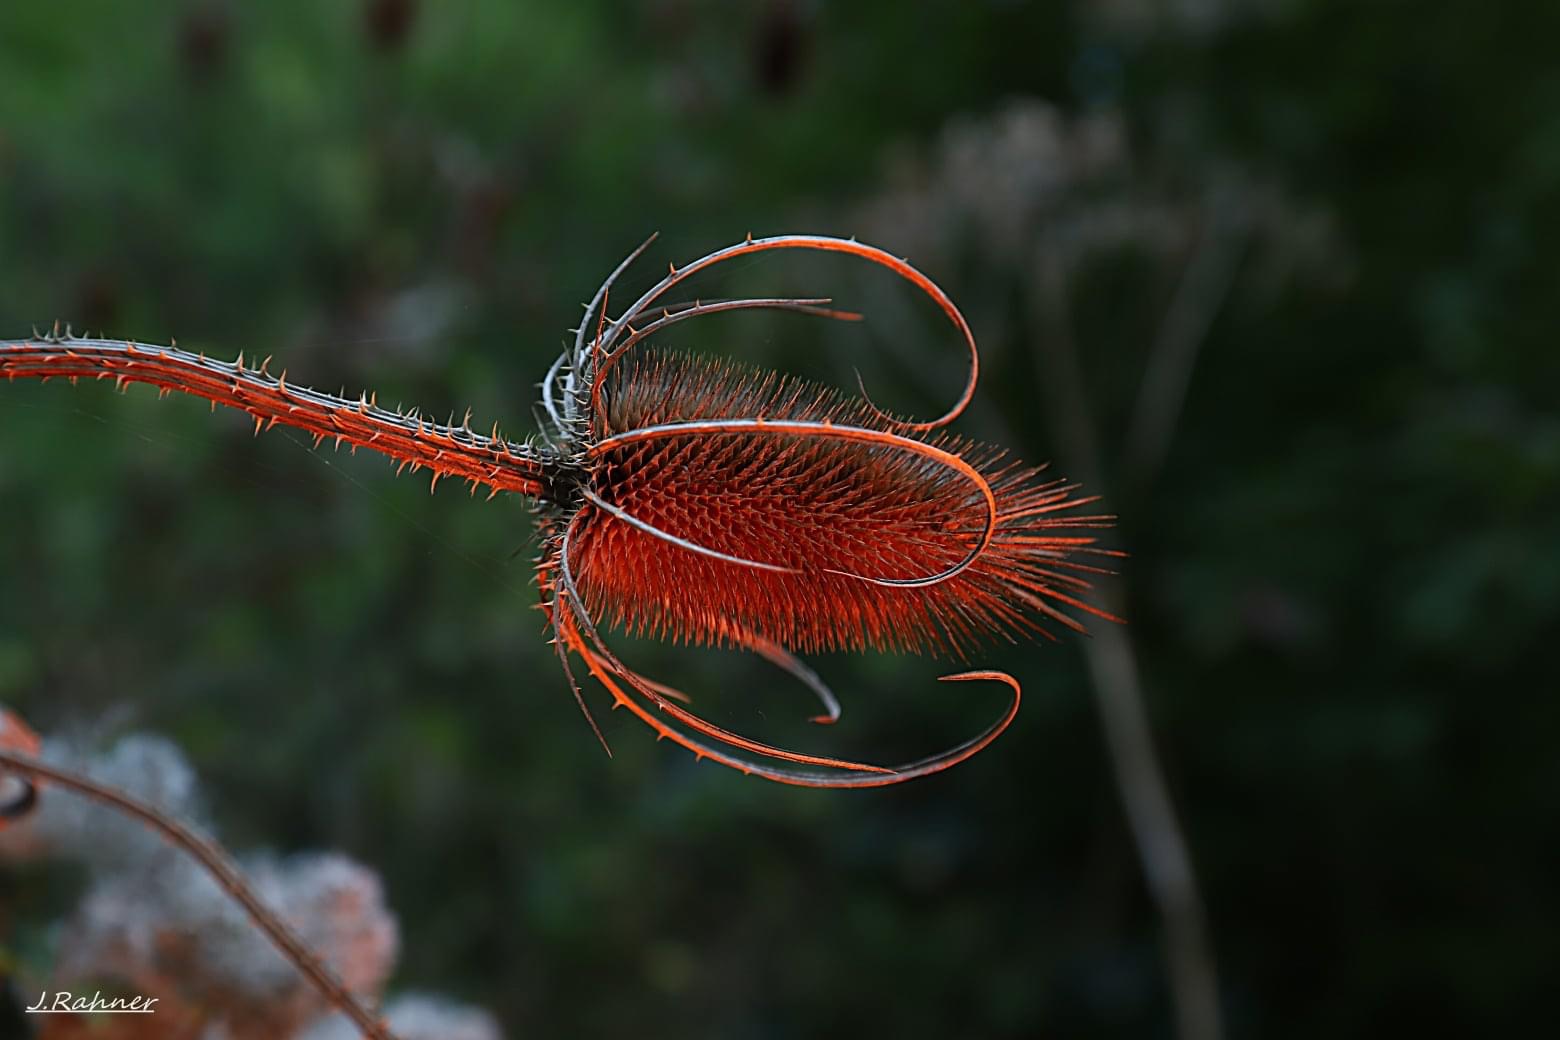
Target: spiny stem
point(222, 870)
point(446, 451)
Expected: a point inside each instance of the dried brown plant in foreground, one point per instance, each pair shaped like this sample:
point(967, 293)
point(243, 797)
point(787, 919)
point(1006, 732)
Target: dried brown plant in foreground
point(282, 949)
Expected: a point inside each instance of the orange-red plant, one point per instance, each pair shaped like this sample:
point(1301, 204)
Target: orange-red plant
point(696, 501)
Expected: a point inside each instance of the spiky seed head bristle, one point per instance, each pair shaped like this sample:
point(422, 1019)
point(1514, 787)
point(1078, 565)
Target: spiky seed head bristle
point(815, 510)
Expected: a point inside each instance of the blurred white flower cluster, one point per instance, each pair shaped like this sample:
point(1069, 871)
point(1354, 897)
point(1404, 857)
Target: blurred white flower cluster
point(416, 1016)
point(153, 923)
point(1029, 183)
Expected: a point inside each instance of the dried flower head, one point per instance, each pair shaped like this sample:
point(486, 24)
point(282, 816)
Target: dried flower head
point(697, 501)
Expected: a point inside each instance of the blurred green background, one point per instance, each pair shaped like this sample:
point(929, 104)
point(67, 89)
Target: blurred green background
point(1334, 223)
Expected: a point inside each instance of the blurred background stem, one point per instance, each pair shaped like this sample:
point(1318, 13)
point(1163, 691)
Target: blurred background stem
point(1112, 659)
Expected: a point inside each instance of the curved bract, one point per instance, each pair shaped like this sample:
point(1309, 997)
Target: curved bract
point(580, 373)
point(698, 501)
point(576, 631)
